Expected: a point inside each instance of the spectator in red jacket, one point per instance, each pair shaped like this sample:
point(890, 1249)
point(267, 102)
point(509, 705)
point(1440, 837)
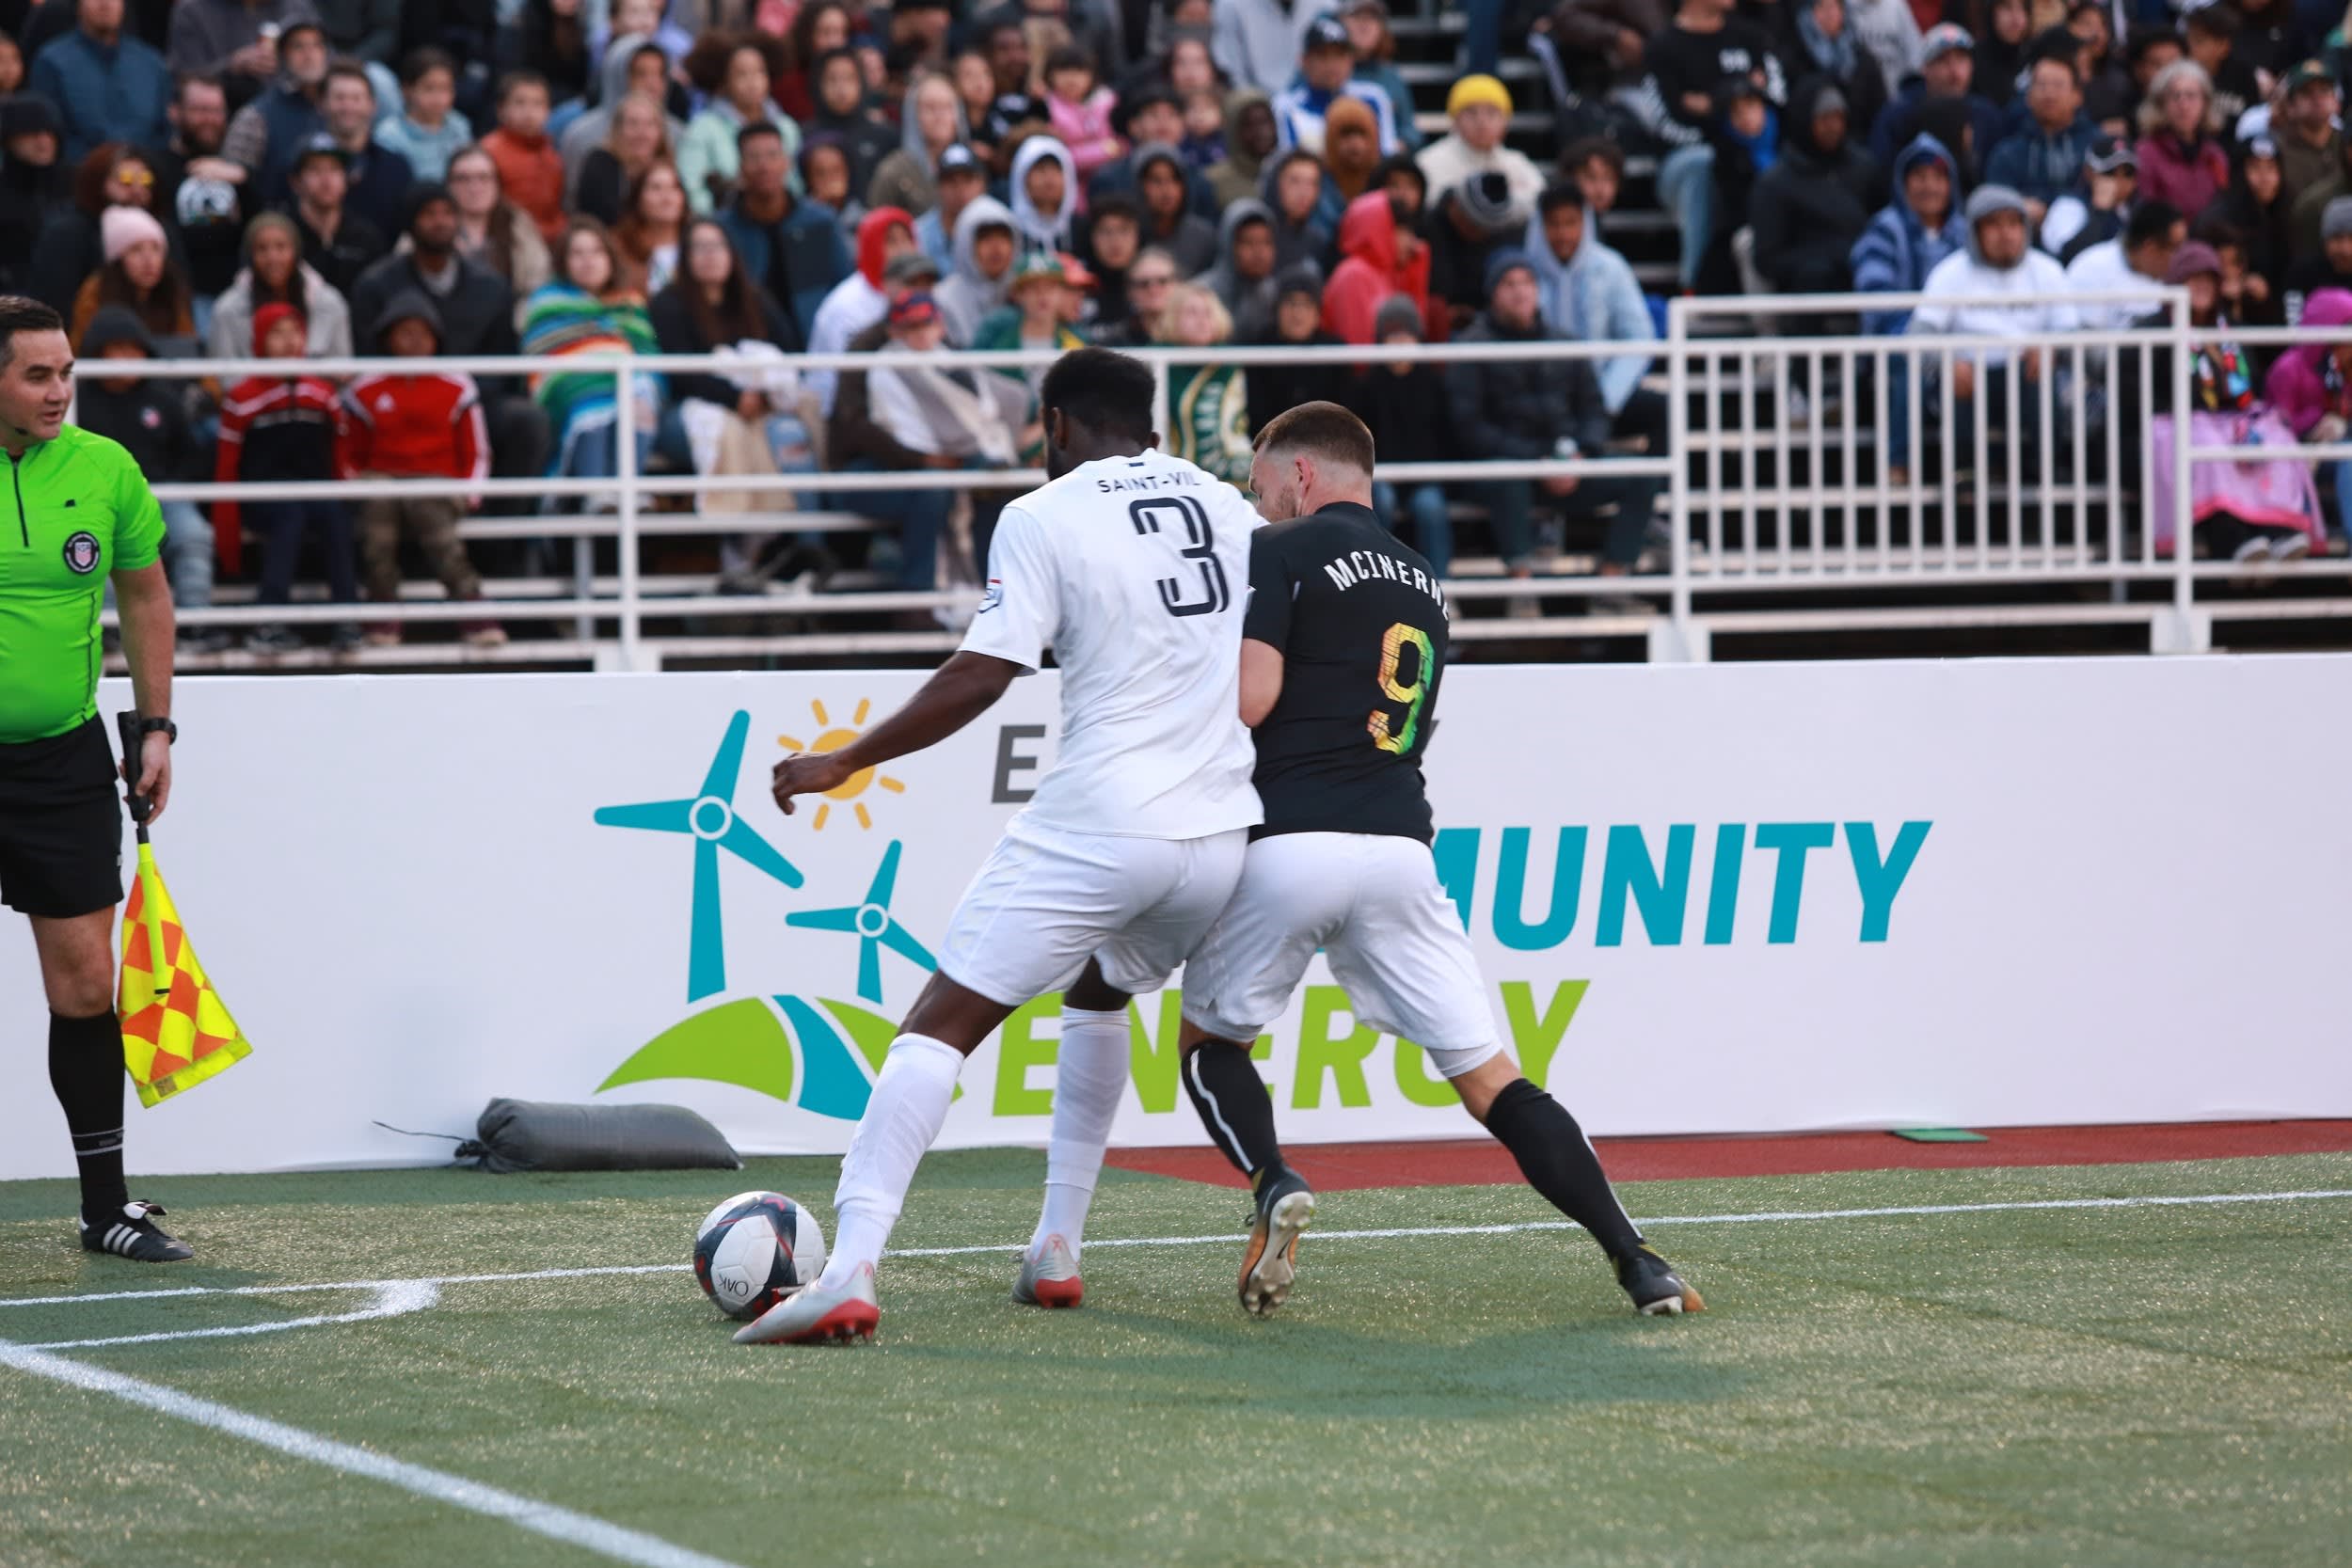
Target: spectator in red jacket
point(529, 167)
point(406, 425)
point(282, 428)
point(1382, 256)
point(2180, 157)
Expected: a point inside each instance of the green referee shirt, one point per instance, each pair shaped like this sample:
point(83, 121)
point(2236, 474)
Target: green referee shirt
point(71, 511)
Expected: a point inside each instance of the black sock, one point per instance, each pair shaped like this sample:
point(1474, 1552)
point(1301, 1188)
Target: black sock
point(86, 1070)
point(1234, 1106)
point(1559, 1163)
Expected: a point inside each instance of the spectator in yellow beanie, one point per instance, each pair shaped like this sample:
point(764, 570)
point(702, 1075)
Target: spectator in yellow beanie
point(1480, 107)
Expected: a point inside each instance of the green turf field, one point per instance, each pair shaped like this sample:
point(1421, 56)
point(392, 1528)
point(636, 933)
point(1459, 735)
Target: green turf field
point(2134, 1385)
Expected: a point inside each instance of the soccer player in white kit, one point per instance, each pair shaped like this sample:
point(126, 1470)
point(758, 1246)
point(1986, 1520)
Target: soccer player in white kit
point(1343, 647)
point(1134, 566)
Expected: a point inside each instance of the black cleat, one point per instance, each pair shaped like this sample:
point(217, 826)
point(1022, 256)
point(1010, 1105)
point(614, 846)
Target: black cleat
point(136, 1236)
point(1656, 1289)
point(1269, 1264)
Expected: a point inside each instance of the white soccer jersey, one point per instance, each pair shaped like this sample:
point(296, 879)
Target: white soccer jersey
point(1135, 571)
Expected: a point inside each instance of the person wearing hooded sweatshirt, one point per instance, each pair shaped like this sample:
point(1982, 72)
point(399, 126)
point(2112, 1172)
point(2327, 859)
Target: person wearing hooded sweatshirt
point(1589, 295)
point(1380, 256)
point(1908, 236)
point(857, 302)
point(1536, 408)
point(1168, 222)
point(1297, 324)
point(1293, 191)
point(930, 121)
point(2310, 388)
point(986, 245)
point(1812, 205)
point(1471, 223)
point(710, 158)
point(633, 63)
point(1997, 261)
point(841, 113)
point(1044, 207)
point(149, 417)
point(1251, 137)
point(1244, 278)
point(1822, 43)
point(1404, 405)
point(2255, 214)
point(415, 425)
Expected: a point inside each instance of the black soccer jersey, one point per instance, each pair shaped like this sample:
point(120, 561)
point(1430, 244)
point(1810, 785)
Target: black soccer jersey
point(1360, 621)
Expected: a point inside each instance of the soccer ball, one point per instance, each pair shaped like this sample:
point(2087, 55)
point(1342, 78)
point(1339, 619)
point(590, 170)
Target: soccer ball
point(756, 1249)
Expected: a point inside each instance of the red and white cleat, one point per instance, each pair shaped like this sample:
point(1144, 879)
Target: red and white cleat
point(1049, 1276)
point(816, 1316)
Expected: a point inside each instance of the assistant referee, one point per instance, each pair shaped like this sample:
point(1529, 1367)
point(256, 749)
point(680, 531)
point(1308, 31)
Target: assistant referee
point(81, 513)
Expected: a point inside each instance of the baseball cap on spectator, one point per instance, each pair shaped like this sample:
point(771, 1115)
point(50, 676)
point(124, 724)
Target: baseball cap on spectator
point(2336, 217)
point(1485, 200)
point(318, 144)
point(2309, 74)
point(911, 266)
point(1397, 313)
point(1355, 8)
point(1326, 32)
point(269, 316)
point(1039, 265)
point(959, 159)
point(1943, 39)
point(2109, 153)
point(1504, 263)
point(917, 309)
point(2261, 147)
point(2192, 259)
point(1474, 89)
point(120, 227)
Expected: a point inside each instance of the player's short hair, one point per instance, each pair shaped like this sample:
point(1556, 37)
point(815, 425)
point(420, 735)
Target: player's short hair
point(1102, 389)
point(21, 314)
point(1323, 431)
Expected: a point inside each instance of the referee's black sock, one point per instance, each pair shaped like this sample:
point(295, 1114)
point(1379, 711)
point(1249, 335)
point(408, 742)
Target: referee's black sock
point(1558, 1162)
point(1234, 1107)
point(86, 1070)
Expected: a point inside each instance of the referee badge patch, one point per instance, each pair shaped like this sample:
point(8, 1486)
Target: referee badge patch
point(81, 553)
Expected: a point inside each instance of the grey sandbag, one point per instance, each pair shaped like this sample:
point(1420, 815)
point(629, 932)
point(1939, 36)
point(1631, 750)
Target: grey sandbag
point(535, 1134)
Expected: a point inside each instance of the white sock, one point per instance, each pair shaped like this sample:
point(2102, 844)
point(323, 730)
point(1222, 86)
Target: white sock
point(911, 1096)
point(1086, 1086)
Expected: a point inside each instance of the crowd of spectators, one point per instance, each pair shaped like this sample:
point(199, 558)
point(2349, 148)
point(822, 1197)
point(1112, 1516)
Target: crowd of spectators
point(2016, 146)
point(754, 179)
point(751, 178)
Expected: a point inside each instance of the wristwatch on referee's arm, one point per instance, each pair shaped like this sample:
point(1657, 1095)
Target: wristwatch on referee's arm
point(150, 727)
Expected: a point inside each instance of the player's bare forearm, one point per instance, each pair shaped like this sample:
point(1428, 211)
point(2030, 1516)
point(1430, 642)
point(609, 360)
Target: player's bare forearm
point(148, 630)
point(957, 693)
point(1260, 680)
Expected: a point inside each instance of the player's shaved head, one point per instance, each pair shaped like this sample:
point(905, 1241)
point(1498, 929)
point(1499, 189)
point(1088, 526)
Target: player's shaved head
point(1309, 457)
point(1096, 404)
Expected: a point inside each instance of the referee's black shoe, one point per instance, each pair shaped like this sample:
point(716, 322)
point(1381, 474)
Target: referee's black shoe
point(135, 1234)
point(1654, 1286)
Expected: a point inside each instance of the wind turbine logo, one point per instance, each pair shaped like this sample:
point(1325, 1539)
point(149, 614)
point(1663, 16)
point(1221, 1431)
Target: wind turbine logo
point(874, 927)
point(710, 817)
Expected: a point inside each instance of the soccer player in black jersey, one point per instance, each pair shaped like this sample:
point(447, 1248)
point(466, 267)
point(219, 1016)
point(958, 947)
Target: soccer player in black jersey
point(1343, 648)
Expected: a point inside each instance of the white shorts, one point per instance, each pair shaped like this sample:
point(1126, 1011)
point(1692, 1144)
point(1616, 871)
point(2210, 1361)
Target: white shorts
point(1047, 900)
point(1373, 903)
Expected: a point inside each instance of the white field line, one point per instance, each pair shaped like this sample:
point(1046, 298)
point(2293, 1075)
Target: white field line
point(1772, 1217)
point(556, 1524)
point(394, 1299)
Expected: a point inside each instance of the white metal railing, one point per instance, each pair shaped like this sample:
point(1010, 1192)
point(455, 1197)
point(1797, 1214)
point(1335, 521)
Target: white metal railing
point(1758, 504)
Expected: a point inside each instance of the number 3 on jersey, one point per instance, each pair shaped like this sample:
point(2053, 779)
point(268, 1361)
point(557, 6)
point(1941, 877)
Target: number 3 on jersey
point(1399, 737)
point(1200, 546)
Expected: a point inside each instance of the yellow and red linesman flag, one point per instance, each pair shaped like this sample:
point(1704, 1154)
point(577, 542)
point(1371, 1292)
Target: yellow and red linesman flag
point(176, 1033)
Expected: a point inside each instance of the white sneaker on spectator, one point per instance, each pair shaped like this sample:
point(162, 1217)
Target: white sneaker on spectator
point(2253, 552)
point(2292, 545)
point(485, 634)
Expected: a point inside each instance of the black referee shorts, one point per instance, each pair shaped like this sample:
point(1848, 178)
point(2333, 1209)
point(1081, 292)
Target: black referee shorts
point(60, 824)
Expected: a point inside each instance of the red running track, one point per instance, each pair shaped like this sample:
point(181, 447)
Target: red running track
point(1342, 1167)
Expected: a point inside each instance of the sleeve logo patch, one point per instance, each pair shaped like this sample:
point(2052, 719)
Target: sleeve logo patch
point(81, 553)
point(994, 597)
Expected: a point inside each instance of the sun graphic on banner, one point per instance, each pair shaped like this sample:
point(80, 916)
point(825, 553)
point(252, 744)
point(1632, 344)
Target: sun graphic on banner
point(832, 737)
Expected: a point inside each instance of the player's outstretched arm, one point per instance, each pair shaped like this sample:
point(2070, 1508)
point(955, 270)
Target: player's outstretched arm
point(957, 693)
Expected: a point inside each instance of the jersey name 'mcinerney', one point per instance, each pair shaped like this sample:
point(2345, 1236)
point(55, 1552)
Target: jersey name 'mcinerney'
point(1356, 566)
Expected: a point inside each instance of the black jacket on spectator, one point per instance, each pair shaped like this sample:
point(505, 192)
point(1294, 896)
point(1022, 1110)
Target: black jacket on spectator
point(1277, 388)
point(477, 311)
point(1407, 414)
point(675, 329)
point(851, 433)
point(555, 47)
point(1812, 204)
point(29, 195)
point(1863, 83)
point(150, 419)
point(1521, 408)
point(1682, 64)
point(1458, 261)
point(357, 245)
point(70, 249)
